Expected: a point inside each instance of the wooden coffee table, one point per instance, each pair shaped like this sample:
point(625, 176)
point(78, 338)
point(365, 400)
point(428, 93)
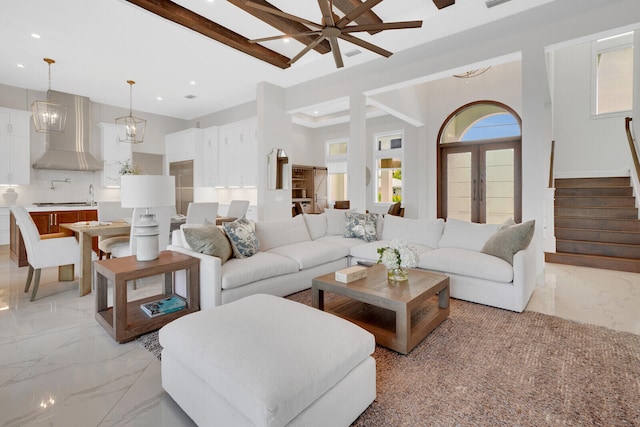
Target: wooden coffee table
point(399, 315)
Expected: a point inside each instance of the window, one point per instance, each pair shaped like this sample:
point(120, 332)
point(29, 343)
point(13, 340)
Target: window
point(388, 164)
point(614, 74)
point(336, 161)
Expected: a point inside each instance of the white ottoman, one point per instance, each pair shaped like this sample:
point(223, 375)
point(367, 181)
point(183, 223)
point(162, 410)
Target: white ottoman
point(268, 361)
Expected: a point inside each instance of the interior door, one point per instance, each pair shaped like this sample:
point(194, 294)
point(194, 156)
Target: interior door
point(481, 182)
point(320, 189)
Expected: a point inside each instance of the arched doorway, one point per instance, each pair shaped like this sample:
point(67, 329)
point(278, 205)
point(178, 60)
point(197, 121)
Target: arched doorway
point(480, 164)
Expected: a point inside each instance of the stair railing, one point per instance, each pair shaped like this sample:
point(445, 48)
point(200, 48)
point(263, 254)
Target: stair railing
point(632, 145)
point(551, 159)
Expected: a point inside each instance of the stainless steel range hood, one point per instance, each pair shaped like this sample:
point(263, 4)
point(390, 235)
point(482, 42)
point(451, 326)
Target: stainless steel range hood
point(69, 150)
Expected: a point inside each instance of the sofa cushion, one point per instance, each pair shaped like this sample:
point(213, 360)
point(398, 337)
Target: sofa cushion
point(369, 251)
point(347, 242)
point(209, 240)
point(361, 226)
point(242, 236)
point(310, 254)
point(263, 265)
point(280, 233)
point(425, 232)
point(466, 235)
point(316, 225)
point(510, 239)
point(467, 262)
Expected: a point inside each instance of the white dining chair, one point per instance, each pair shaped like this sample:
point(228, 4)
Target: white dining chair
point(198, 212)
point(45, 252)
point(109, 211)
point(238, 208)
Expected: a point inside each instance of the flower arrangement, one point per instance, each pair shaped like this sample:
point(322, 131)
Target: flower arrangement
point(128, 168)
point(398, 257)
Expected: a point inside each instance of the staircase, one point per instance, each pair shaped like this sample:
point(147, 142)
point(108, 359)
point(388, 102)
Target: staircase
point(596, 224)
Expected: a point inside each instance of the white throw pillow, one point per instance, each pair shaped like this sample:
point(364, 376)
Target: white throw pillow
point(466, 235)
point(316, 225)
point(336, 221)
point(419, 231)
point(273, 234)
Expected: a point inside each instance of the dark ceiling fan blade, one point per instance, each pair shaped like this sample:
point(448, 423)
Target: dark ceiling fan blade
point(285, 36)
point(382, 27)
point(366, 45)
point(307, 49)
point(282, 14)
point(327, 13)
point(441, 4)
point(335, 49)
point(355, 13)
point(369, 17)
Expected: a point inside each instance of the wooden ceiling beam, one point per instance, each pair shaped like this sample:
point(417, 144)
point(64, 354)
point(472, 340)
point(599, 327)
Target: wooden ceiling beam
point(189, 19)
point(441, 4)
point(369, 17)
point(285, 25)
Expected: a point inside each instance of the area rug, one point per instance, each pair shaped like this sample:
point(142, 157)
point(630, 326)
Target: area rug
point(489, 367)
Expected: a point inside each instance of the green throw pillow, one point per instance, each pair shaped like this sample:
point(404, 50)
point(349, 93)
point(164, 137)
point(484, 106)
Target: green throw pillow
point(209, 241)
point(242, 235)
point(510, 239)
point(361, 226)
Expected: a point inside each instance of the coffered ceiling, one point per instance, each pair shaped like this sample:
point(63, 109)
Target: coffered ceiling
point(99, 45)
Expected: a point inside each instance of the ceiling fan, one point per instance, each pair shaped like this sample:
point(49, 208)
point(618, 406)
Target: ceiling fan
point(332, 28)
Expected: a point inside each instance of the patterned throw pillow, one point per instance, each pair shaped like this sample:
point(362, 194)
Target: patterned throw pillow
point(242, 235)
point(209, 240)
point(361, 226)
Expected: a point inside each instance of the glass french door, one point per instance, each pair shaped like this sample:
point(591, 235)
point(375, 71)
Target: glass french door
point(481, 182)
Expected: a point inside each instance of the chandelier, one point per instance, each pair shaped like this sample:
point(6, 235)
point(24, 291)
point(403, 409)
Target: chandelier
point(131, 129)
point(49, 116)
point(471, 73)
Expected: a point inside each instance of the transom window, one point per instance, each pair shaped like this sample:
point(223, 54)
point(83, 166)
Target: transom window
point(336, 161)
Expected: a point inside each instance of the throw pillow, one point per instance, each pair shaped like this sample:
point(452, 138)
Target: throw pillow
point(209, 241)
point(242, 235)
point(466, 235)
point(509, 240)
point(361, 226)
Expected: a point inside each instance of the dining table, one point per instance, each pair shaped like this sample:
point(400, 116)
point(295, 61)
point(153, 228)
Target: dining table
point(86, 231)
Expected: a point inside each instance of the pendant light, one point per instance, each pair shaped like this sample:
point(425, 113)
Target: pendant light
point(131, 129)
point(49, 116)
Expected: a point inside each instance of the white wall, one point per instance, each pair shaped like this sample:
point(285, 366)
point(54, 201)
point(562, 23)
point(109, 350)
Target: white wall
point(586, 145)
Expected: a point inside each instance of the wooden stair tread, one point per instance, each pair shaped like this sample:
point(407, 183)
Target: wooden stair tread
point(595, 261)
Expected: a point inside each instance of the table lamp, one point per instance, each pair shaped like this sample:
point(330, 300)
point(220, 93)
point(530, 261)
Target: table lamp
point(147, 191)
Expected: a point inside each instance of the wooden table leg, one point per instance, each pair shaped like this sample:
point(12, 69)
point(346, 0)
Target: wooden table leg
point(403, 329)
point(317, 298)
point(84, 284)
point(443, 298)
point(102, 285)
point(119, 308)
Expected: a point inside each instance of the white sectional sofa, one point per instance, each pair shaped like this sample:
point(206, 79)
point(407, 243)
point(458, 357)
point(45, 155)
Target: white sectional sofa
point(295, 250)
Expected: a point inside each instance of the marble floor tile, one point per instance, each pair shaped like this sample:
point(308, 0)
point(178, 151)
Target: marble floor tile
point(58, 367)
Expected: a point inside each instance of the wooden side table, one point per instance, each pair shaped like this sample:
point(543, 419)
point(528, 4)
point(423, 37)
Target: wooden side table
point(126, 320)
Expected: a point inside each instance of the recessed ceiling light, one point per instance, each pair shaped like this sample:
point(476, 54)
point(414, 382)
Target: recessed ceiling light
point(286, 40)
point(20, 65)
point(192, 82)
point(159, 98)
point(315, 112)
point(35, 36)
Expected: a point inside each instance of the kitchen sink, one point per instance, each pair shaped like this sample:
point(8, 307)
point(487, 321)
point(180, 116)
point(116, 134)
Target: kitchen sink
point(62, 204)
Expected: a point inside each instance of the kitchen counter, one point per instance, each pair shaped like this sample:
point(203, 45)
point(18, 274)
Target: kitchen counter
point(58, 208)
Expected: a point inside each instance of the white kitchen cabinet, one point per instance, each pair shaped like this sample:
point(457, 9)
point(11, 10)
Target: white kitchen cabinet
point(181, 146)
point(4, 226)
point(14, 147)
point(114, 154)
point(238, 154)
point(206, 172)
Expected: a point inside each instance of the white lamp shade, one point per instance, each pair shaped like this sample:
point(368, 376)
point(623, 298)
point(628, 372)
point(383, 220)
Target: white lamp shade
point(147, 191)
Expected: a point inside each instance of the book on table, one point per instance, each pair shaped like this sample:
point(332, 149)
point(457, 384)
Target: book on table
point(163, 306)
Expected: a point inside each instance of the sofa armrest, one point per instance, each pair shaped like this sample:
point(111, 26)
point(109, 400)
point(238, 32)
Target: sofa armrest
point(210, 278)
point(524, 275)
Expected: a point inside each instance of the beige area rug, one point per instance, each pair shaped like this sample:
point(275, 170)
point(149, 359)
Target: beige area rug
point(489, 367)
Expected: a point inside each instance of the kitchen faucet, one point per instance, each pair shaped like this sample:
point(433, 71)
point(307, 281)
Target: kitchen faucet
point(90, 194)
point(53, 187)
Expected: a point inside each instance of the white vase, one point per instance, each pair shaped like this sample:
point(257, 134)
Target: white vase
point(10, 196)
